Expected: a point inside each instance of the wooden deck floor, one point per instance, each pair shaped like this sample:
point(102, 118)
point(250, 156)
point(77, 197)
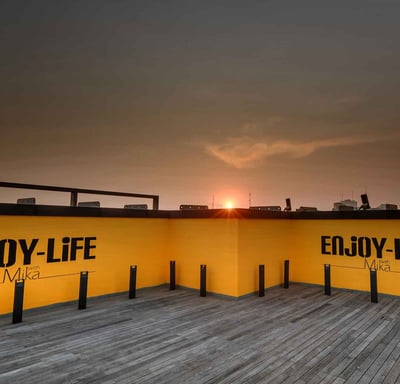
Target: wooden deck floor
point(289, 336)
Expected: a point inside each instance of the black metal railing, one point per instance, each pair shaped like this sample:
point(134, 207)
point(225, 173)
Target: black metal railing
point(75, 191)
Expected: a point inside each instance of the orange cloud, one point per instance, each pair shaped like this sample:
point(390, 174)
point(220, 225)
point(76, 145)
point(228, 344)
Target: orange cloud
point(247, 152)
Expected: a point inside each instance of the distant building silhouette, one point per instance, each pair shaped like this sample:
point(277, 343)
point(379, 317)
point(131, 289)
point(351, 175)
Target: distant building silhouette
point(306, 209)
point(91, 204)
point(27, 201)
point(386, 207)
point(266, 208)
point(345, 205)
point(192, 207)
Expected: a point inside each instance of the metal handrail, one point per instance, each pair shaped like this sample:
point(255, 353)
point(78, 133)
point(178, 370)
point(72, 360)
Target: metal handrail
point(75, 191)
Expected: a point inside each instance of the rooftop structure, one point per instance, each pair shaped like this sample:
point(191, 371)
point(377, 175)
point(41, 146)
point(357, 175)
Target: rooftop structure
point(49, 246)
point(63, 254)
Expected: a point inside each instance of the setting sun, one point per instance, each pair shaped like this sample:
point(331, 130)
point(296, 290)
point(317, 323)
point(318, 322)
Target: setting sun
point(229, 205)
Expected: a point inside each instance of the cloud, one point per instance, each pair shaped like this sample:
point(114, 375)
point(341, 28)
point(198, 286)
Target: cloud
point(248, 152)
point(350, 99)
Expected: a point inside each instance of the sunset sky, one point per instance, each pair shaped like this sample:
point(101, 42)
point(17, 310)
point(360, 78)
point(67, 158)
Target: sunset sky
point(203, 100)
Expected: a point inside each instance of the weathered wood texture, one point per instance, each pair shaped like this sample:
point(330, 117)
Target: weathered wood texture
point(295, 335)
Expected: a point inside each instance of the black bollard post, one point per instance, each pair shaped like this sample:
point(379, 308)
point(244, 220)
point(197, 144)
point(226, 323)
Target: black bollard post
point(18, 301)
point(172, 275)
point(261, 280)
point(374, 286)
point(203, 279)
point(327, 273)
point(132, 281)
point(83, 290)
point(286, 275)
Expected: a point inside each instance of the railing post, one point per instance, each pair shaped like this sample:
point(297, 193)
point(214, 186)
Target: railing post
point(83, 283)
point(286, 275)
point(261, 280)
point(203, 279)
point(172, 275)
point(132, 281)
point(374, 285)
point(74, 199)
point(18, 301)
point(155, 202)
point(327, 275)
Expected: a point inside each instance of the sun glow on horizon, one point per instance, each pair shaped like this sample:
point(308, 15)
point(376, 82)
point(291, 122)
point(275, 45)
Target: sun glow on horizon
point(229, 204)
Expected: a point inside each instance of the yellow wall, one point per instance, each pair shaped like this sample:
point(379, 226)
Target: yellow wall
point(231, 247)
point(119, 243)
point(262, 242)
point(346, 272)
point(212, 242)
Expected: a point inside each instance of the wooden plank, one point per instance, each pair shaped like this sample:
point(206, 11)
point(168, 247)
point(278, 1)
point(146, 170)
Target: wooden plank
point(289, 336)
